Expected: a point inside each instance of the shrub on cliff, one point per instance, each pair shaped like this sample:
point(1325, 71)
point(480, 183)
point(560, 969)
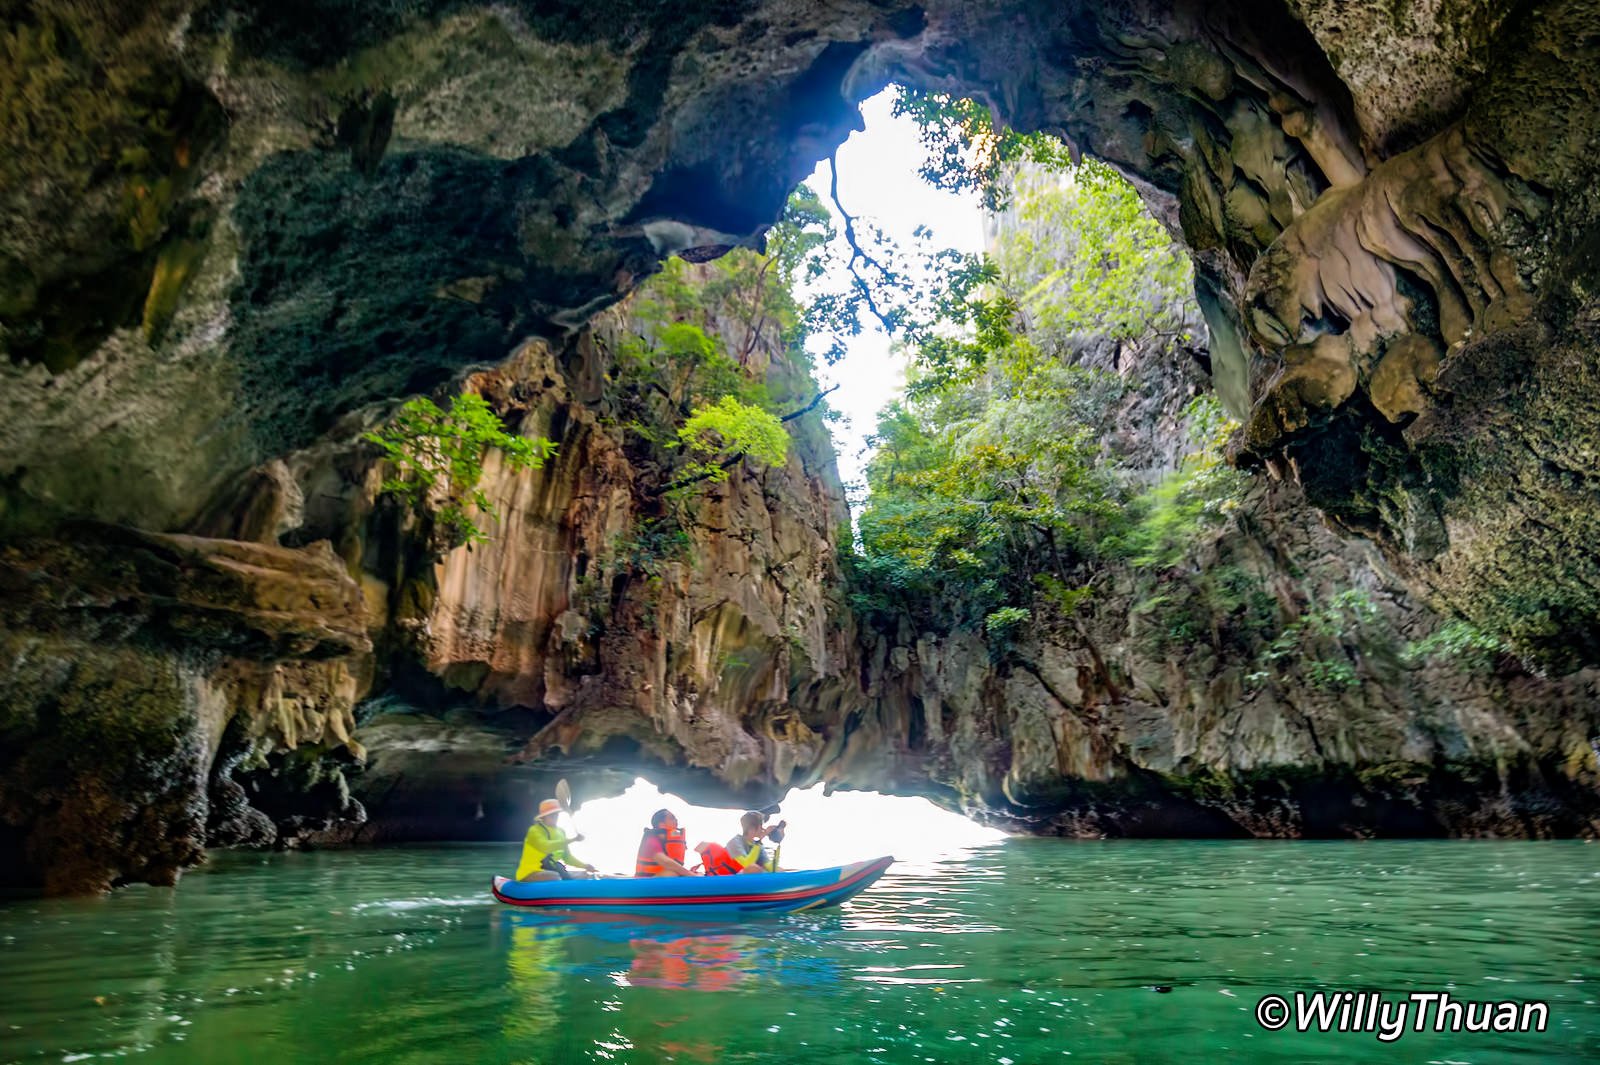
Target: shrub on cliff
point(438, 457)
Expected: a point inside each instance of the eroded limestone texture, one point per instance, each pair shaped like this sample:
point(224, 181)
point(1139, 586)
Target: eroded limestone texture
point(228, 230)
point(1164, 711)
point(127, 657)
point(280, 213)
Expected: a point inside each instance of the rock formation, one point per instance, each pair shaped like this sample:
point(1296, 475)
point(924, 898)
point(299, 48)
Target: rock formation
point(1168, 713)
point(285, 212)
point(128, 658)
point(231, 228)
point(605, 622)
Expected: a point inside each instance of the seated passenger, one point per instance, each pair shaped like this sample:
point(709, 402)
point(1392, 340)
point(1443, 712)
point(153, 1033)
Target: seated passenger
point(746, 848)
point(662, 850)
point(546, 850)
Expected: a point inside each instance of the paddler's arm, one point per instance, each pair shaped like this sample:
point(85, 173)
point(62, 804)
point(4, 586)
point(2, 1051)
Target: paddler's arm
point(752, 862)
point(567, 856)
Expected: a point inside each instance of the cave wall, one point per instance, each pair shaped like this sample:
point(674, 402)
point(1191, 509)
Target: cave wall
point(605, 625)
point(228, 224)
point(1181, 699)
point(133, 661)
point(230, 228)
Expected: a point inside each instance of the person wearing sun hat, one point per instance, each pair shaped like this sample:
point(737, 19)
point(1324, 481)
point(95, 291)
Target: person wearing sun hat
point(546, 851)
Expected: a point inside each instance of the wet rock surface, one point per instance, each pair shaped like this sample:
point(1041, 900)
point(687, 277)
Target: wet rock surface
point(128, 656)
point(231, 229)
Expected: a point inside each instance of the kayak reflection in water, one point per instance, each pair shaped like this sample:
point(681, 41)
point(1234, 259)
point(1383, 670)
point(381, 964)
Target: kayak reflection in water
point(546, 851)
point(534, 966)
point(700, 963)
point(663, 849)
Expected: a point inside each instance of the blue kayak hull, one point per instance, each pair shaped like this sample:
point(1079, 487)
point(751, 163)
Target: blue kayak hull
point(787, 892)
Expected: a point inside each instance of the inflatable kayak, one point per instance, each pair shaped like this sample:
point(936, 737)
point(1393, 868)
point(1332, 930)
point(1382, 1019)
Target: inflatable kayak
point(787, 892)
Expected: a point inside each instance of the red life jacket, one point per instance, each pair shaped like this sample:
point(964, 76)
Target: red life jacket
point(673, 842)
point(718, 862)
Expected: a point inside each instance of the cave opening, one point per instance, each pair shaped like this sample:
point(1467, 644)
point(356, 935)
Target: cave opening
point(822, 829)
point(879, 183)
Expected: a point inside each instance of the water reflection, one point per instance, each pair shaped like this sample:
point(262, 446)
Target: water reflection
point(1030, 951)
point(644, 951)
point(533, 965)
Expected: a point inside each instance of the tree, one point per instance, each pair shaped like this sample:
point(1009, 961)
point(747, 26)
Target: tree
point(437, 450)
point(725, 432)
point(1087, 259)
point(967, 151)
point(994, 495)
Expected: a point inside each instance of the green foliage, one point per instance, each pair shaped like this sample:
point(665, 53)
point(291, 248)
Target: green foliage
point(966, 151)
point(1337, 622)
point(728, 430)
point(1456, 641)
point(1003, 622)
point(650, 545)
point(798, 242)
point(1199, 495)
point(1090, 260)
point(432, 448)
point(1080, 259)
point(993, 482)
point(1331, 674)
point(983, 493)
point(679, 359)
point(1225, 606)
point(718, 361)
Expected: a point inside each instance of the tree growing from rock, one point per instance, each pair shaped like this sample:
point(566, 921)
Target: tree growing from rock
point(438, 455)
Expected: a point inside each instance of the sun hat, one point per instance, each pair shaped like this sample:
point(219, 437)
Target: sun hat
point(549, 807)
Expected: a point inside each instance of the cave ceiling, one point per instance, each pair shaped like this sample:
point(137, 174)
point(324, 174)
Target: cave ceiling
point(229, 225)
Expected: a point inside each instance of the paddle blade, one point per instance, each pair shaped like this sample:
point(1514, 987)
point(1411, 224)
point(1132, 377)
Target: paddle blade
point(564, 794)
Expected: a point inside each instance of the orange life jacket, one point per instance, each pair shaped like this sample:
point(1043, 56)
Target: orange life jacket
point(673, 842)
point(718, 862)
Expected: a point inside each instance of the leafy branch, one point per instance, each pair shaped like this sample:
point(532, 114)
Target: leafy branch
point(438, 456)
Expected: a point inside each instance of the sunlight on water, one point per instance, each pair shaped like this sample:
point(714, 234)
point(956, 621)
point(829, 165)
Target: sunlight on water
point(1011, 952)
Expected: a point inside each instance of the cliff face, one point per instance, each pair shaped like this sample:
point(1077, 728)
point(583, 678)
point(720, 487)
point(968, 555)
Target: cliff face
point(1228, 663)
point(231, 230)
point(602, 631)
point(1163, 716)
point(606, 621)
point(278, 214)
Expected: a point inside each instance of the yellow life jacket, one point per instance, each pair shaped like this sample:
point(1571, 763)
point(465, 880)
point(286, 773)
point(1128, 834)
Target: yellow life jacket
point(542, 841)
point(751, 852)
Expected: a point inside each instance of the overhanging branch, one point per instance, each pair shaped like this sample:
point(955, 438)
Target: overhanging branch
point(809, 407)
point(857, 252)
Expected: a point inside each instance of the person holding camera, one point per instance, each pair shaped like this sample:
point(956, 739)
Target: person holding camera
point(746, 848)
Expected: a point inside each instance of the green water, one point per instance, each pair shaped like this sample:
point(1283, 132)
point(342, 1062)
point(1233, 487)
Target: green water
point(1027, 951)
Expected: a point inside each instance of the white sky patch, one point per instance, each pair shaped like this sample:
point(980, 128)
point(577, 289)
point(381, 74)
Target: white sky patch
point(823, 830)
point(878, 181)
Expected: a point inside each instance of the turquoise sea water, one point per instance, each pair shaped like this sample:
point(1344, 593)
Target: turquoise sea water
point(1025, 951)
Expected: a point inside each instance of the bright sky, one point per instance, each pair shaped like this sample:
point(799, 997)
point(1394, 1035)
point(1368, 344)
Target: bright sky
point(878, 180)
point(823, 830)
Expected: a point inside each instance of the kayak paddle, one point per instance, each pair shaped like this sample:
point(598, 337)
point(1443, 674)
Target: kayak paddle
point(564, 797)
